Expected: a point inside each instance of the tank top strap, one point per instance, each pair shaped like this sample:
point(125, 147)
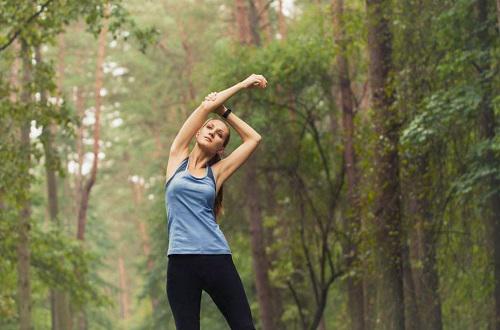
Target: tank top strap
point(182, 166)
point(211, 174)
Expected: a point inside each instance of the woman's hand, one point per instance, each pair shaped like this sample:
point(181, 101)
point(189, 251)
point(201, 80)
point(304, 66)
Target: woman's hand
point(210, 98)
point(254, 80)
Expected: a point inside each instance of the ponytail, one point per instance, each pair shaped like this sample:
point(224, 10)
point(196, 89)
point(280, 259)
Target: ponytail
point(218, 208)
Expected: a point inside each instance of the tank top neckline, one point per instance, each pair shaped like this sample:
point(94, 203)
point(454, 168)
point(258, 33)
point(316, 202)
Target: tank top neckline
point(196, 177)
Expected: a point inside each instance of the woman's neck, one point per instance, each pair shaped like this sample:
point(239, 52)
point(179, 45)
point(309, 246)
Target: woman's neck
point(198, 158)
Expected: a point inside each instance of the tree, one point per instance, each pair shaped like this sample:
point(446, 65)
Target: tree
point(353, 218)
point(387, 215)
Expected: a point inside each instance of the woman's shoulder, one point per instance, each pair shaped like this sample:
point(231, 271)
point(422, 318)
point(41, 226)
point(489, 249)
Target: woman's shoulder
point(179, 166)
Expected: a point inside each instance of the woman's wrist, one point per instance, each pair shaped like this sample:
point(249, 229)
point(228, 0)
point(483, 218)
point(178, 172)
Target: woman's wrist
point(220, 110)
point(240, 85)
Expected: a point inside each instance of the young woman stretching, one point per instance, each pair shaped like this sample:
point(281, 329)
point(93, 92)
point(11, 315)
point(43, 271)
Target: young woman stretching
point(199, 257)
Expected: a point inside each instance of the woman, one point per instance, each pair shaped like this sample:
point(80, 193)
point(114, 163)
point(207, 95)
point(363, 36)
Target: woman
point(199, 257)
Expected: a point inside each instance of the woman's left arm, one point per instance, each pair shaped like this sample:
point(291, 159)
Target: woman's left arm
point(251, 139)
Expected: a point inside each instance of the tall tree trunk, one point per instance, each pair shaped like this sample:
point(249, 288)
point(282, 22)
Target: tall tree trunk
point(58, 299)
point(260, 261)
point(51, 184)
point(82, 213)
point(23, 244)
point(138, 190)
point(241, 14)
point(281, 20)
point(85, 192)
point(410, 276)
point(259, 258)
point(428, 293)
point(353, 222)
point(498, 15)
point(487, 131)
point(387, 201)
point(253, 18)
point(189, 60)
point(123, 289)
point(79, 104)
point(262, 7)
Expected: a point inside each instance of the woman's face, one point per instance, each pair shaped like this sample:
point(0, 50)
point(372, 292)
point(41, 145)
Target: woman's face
point(212, 136)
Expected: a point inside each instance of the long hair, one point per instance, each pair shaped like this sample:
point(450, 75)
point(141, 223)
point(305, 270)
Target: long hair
point(218, 208)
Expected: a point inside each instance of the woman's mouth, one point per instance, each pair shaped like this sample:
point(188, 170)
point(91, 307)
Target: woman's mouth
point(210, 140)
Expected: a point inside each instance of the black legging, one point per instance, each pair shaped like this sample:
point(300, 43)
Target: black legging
point(188, 274)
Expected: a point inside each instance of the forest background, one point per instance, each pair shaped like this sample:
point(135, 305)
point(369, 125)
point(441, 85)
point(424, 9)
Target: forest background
point(372, 202)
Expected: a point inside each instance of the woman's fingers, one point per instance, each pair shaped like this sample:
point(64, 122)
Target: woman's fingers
point(211, 97)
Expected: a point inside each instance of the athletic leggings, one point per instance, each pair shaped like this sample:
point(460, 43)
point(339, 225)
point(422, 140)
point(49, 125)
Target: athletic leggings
point(188, 274)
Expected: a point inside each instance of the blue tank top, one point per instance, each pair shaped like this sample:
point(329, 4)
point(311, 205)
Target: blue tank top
point(189, 202)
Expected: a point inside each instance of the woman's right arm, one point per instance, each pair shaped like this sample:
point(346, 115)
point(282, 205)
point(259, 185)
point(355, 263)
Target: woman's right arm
point(180, 145)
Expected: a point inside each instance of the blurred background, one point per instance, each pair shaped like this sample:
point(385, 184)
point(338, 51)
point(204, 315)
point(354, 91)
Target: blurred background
point(372, 202)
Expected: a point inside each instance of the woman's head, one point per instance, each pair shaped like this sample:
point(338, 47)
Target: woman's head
point(213, 137)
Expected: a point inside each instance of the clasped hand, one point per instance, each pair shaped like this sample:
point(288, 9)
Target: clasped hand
point(254, 80)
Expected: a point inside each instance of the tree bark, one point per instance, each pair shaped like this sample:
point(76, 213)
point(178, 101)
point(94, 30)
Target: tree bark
point(51, 185)
point(85, 192)
point(138, 190)
point(387, 201)
point(262, 7)
point(123, 289)
point(259, 257)
point(23, 244)
point(498, 15)
point(487, 130)
point(248, 22)
point(355, 290)
point(253, 17)
point(281, 20)
point(241, 14)
point(412, 315)
point(428, 288)
point(82, 213)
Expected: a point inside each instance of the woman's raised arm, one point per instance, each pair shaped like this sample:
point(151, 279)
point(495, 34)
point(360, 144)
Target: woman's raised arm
point(180, 145)
point(179, 149)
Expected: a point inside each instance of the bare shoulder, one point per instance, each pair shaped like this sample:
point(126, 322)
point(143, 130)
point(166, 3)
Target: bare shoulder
point(174, 160)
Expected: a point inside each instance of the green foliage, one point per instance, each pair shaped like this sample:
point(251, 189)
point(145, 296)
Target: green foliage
point(444, 81)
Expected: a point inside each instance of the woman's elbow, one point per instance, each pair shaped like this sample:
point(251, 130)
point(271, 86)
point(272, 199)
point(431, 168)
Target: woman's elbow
point(257, 138)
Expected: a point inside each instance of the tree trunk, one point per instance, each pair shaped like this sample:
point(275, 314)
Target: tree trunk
point(259, 258)
point(487, 130)
point(189, 60)
point(85, 192)
point(123, 289)
point(412, 315)
point(428, 288)
point(82, 213)
point(253, 18)
point(146, 247)
point(281, 20)
point(23, 244)
point(262, 7)
point(352, 221)
point(387, 201)
point(498, 15)
point(241, 14)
